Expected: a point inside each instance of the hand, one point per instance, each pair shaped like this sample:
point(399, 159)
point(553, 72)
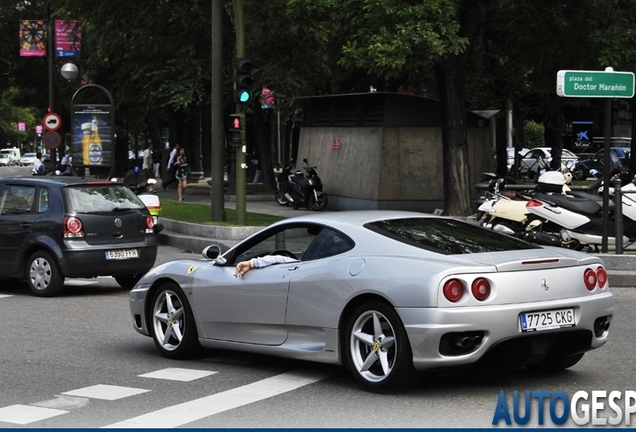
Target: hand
point(242, 268)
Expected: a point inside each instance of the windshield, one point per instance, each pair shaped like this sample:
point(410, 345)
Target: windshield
point(447, 236)
point(100, 198)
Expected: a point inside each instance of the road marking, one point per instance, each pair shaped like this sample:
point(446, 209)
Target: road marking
point(25, 414)
point(187, 412)
point(178, 374)
point(105, 392)
point(5, 295)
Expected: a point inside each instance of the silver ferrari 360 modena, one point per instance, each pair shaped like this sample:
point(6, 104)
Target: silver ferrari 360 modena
point(386, 294)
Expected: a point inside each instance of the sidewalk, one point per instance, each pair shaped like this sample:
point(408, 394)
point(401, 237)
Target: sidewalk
point(194, 237)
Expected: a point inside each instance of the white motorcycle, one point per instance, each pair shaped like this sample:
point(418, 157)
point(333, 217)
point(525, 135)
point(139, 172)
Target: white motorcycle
point(577, 222)
point(141, 184)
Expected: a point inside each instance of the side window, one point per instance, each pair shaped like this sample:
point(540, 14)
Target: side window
point(326, 244)
point(296, 240)
point(43, 200)
point(17, 199)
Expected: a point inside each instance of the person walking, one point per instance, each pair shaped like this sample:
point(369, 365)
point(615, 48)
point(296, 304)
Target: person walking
point(147, 158)
point(181, 173)
point(156, 163)
point(170, 177)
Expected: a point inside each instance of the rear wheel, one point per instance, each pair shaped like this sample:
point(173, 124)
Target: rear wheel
point(128, 281)
point(173, 328)
point(318, 204)
point(377, 348)
point(43, 275)
point(580, 173)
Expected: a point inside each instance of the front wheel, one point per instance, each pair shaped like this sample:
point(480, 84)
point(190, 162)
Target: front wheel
point(281, 199)
point(318, 204)
point(43, 275)
point(173, 328)
point(377, 348)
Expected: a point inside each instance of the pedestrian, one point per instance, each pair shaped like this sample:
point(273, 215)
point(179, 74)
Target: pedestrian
point(65, 164)
point(38, 165)
point(257, 173)
point(147, 162)
point(181, 173)
point(170, 177)
point(156, 162)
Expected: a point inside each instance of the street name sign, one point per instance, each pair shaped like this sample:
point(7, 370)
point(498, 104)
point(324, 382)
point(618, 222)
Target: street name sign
point(595, 84)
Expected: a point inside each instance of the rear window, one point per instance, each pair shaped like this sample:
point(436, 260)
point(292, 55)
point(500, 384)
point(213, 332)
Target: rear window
point(447, 236)
point(97, 198)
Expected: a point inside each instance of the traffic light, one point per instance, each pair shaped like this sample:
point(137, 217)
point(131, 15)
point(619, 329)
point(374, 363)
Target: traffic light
point(237, 129)
point(243, 81)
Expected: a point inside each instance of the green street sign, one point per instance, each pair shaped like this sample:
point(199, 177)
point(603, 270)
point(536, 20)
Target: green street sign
point(591, 84)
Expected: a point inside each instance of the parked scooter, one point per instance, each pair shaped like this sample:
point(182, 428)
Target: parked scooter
point(141, 184)
point(306, 191)
point(282, 185)
point(576, 222)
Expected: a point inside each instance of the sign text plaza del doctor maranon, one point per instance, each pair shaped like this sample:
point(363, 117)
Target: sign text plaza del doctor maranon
point(599, 84)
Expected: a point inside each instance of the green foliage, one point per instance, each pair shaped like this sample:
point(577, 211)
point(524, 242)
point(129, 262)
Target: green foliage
point(533, 135)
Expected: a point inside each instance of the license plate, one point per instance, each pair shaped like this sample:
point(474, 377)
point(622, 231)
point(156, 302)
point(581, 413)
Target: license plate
point(122, 254)
point(546, 320)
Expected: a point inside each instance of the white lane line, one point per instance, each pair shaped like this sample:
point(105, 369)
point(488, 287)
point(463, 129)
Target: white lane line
point(178, 415)
point(5, 295)
point(25, 414)
point(178, 374)
point(105, 392)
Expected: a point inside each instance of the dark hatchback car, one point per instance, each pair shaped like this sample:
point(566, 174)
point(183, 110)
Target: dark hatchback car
point(58, 227)
point(593, 166)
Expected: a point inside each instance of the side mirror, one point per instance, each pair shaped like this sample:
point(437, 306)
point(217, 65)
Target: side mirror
point(305, 160)
point(213, 253)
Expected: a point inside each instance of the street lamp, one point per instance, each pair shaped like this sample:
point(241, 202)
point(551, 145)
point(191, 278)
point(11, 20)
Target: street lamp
point(69, 71)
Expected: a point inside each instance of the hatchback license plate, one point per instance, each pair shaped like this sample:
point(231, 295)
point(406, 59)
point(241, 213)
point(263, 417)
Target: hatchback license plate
point(546, 320)
point(121, 254)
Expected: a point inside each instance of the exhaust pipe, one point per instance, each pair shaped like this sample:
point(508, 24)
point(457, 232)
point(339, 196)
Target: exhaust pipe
point(601, 325)
point(289, 197)
point(466, 342)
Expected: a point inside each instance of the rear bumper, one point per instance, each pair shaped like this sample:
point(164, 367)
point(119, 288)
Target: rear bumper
point(429, 332)
point(82, 260)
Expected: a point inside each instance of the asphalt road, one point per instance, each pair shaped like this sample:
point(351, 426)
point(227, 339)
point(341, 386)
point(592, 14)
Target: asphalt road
point(75, 361)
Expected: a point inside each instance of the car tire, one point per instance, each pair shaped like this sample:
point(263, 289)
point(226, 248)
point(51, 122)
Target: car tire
point(377, 349)
point(558, 364)
point(43, 275)
point(580, 173)
point(173, 328)
point(128, 281)
point(320, 203)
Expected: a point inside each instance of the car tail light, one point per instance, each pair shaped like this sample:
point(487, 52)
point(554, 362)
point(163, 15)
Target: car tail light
point(73, 227)
point(480, 289)
point(453, 290)
point(150, 222)
point(601, 275)
point(591, 278)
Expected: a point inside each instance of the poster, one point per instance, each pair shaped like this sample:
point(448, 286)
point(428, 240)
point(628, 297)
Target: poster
point(32, 38)
point(92, 135)
point(67, 38)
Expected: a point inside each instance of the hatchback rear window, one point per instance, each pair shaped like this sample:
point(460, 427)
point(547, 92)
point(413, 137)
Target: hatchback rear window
point(447, 236)
point(100, 198)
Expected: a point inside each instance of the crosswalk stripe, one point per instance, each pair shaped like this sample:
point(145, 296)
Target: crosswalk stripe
point(187, 412)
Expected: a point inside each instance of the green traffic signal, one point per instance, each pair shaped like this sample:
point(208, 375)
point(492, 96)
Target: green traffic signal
point(243, 96)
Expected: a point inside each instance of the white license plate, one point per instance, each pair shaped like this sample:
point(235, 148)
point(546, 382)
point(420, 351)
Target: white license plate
point(122, 254)
point(546, 320)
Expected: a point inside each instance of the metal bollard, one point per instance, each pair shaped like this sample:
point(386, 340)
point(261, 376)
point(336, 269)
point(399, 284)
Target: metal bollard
point(618, 217)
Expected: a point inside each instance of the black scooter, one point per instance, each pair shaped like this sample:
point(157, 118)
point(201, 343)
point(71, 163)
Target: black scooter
point(306, 191)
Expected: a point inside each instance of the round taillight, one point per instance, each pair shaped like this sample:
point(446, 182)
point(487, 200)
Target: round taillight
point(590, 279)
point(453, 290)
point(73, 225)
point(480, 289)
point(601, 276)
point(150, 222)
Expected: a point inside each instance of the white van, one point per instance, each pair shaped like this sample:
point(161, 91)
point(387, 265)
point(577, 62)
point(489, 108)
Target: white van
point(9, 156)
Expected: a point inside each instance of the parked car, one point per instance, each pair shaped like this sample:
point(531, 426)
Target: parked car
point(537, 160)
point(510, 151)
point(388, 294)
point(593, 166)
point(59, 227)
point(27, 159)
